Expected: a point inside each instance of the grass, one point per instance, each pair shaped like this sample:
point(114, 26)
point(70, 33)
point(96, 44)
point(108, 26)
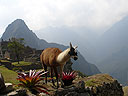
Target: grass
point(4, 61)
point(91, 82)
point(125, 89)
point(22, 63)
point(98, 80)
point(9, 75)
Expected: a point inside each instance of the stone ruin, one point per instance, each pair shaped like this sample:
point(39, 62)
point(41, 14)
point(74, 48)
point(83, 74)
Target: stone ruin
point(105, 86)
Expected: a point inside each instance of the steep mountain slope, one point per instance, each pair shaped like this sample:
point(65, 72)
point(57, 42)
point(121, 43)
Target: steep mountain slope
point(81, 36)
point(19, 29)
point(117, 65)
point(113, 49)
point(114, 39)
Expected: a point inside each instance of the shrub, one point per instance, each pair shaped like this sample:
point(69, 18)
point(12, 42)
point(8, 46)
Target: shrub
point(17, 69)
point(81, 74)
point(31, 80)
point(68, 78)
point(91, 82)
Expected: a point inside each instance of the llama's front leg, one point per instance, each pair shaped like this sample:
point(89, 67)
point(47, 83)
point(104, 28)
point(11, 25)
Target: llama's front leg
point(56, 73)
point(61, 71)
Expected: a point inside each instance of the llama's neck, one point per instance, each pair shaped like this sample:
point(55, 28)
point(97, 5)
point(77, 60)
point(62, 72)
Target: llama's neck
point(63, 57)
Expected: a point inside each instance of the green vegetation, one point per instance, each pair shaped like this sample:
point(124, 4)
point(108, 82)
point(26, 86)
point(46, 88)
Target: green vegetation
point(21, 63)
point(81, 74)
point(17, 69)
point(9, 75)
point(67, 78)
point(16, 46)
point(4, 61)
point(98, 80)
point(91, 82)
point(31, 81)
point(125, 89)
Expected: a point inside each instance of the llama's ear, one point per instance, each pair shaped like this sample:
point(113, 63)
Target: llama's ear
point(75, 47)
point(70, 45)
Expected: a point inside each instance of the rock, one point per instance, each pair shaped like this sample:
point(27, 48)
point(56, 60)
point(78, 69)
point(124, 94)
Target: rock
point(97, 85)
point(81, 84)
point(14, 93)
point(73, 90)
point(103, 85)
point(72, 94)
point(18, 92)
point(80, 87)
point(22, 92)
point(84, 94)
point(2, 84)
point(9, 87)
point(43, 94)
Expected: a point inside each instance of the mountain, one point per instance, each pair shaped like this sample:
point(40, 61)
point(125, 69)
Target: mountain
point(19, 29)
point(81, 36)
point(113, 49)
point(117, 65)
point(114, 39)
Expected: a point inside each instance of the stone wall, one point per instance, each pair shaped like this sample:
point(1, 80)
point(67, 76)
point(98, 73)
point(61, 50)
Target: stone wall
point(7, 65)
point(107, 87)
point(34, 65)
point(2, 84)
point(25, 67)
point(30, 60)
point(30, 67)
point(112, 88)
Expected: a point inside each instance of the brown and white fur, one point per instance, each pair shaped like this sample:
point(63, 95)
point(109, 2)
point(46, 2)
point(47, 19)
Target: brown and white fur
point(54, 57)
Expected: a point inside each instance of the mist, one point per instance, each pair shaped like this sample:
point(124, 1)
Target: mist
point(98, 15)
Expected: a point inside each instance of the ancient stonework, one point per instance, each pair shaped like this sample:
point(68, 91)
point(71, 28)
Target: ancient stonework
point(2, 84)
point(96, 85)
point(18, 92)
point(106, 87)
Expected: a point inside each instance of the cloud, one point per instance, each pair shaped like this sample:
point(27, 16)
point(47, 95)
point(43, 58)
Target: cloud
point(39, 14)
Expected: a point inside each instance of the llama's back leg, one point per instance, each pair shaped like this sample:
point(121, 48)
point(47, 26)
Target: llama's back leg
point(56, 74)
point(52, 76)
point(45, 68)
point(61, 71)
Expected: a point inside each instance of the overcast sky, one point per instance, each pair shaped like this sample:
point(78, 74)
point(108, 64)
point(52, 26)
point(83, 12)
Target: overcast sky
point(39, 14)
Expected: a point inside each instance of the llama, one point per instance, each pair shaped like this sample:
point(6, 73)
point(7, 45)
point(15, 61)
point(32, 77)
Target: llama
point(54, 57)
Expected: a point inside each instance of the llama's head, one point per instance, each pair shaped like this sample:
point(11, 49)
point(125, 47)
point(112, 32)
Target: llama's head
point(73, 52)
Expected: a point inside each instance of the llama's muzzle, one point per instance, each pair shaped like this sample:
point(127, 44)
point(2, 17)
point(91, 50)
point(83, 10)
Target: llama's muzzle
point(75, 58)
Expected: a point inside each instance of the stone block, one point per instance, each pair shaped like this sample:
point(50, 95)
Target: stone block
point(9, 87)
point(2, 84)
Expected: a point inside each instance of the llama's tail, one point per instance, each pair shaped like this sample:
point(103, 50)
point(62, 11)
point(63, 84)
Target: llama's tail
point(41, 57)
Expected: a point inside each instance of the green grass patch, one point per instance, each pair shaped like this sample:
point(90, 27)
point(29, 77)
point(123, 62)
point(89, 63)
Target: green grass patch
point(98, 80)
point(90, 82)
point(9, 75)
point(4, 61)
point(22, 63)
point(81, 74)
point(125, 89)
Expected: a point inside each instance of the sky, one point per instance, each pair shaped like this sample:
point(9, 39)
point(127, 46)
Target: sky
point(39, 14)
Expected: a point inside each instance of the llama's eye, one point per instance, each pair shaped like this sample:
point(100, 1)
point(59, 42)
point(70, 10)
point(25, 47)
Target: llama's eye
point(70, 53)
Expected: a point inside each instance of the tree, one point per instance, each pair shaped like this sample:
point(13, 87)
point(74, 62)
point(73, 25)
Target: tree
point(16, 46)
